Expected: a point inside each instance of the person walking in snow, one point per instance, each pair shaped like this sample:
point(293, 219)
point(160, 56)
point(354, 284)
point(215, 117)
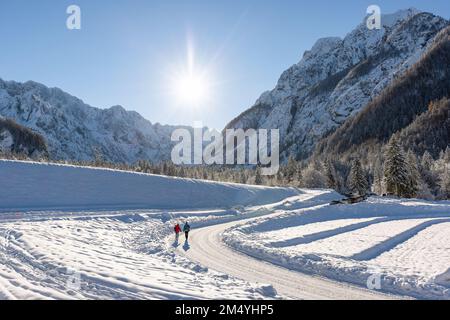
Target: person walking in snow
point(186, 229)
point(177, 230)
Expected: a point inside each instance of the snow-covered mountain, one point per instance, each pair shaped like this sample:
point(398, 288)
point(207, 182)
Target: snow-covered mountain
point(338, 77)
point(414, 104)
point(333, 81)
point(76, 131)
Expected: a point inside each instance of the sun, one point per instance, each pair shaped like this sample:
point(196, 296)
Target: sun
point(191, 89)
point(190, 81)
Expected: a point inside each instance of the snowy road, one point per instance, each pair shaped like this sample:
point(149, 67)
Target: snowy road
point(207, 248)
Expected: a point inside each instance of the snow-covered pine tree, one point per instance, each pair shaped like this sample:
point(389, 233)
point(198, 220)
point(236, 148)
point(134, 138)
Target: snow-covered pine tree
point(396, 169)
point(357, 179)
point(181, 172)
point(445, 183)
point(446, 156)
point(290, 170)
point(443, 170)
point(330, 175)
point(378, 177)
point(414, 174)
point(279, 178)
point(243, 178)
point(258, 176)
point(298, 177)
point(427, 173)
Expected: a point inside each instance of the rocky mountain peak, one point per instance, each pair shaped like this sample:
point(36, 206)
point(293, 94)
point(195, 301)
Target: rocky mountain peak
point(337, 77)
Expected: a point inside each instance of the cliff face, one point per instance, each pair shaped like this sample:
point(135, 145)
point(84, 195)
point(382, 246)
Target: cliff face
point(338, 77)
point(408, 105)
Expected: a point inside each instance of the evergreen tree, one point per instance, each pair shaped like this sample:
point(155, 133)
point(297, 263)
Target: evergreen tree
point(445, 183)
point(299, 177)
point(414, 174)
point(396, 170)
point(378, 177)
point(446, 156)
point(427, 173)
point(290, 170)
point(357, 179)
point(330, 175)
point(243, 178)
point(258, 176)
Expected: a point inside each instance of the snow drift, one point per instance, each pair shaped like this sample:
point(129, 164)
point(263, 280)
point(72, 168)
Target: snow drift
point(404, 242)
point(26, 185)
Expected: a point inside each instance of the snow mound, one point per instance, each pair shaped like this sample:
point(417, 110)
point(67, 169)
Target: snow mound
point(29, 185)
point(403, 243)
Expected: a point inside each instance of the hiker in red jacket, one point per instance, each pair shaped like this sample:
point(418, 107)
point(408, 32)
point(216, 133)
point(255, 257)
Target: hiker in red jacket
point(177, 230)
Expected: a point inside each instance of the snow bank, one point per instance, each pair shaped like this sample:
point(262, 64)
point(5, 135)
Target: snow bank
point(406, 243)
point(26, 185)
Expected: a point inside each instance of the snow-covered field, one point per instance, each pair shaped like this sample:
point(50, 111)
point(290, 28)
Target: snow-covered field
point(61, 239)
point(403, 244)
point(105, 258)
point(79, 233)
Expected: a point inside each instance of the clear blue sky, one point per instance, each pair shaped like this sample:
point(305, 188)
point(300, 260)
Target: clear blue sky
point(128, 50)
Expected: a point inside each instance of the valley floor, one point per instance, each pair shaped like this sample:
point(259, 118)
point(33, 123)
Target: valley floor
point(266, 244)
point(104, 256)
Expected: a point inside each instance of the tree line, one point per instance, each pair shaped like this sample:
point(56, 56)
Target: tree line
point(394, 172)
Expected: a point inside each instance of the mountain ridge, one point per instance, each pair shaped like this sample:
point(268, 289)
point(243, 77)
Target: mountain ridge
point(337, 78)
point(75, 130)
point(400, 105)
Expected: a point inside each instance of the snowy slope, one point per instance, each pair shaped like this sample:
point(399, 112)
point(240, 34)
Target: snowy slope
point(72, 232)
point(338, 77)
point(77, 131)
point(132, 255)
point(208, 249)
point(404, 243)
point(38, 185)
point(101, 251)
point(105, 258)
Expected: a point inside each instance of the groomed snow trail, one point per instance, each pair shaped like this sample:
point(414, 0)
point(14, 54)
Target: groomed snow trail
point(207, 248)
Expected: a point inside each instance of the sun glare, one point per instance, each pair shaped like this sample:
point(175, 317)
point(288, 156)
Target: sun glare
point(191, 89)
point(190, 81)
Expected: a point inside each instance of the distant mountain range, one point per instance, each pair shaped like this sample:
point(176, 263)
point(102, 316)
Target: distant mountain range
point(345, 95)
point(76, 131)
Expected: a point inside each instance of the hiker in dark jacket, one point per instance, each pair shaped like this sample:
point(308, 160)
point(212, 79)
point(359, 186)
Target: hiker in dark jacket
point(186, 229)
